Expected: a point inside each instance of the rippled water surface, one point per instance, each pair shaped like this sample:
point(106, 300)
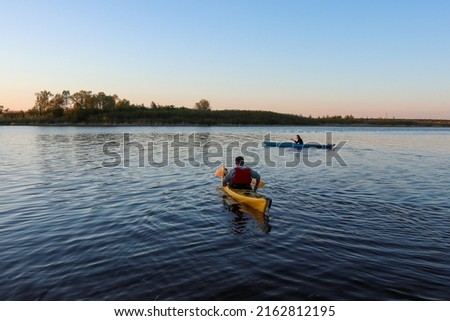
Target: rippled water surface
point(370, 221)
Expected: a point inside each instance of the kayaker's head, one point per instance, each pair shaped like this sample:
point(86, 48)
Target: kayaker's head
point(239, 161)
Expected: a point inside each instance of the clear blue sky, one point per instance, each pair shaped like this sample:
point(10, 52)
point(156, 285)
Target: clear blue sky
point(309, 57)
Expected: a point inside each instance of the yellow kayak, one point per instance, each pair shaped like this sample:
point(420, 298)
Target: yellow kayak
point(248, 197)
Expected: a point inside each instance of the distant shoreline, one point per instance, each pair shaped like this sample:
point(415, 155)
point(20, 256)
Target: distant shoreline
point(355, 125)
point(85, 108)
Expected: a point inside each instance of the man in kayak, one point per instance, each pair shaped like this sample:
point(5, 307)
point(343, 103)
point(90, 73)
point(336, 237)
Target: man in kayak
point(298, 140)
point(240, 177)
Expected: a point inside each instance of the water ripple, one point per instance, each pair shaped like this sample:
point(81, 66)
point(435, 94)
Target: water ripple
point(377, 229)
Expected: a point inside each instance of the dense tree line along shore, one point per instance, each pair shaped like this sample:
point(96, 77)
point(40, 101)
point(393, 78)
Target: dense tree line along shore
point(87, 108)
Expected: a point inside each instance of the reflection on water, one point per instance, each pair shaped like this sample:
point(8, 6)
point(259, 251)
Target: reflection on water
point(71, 229)
point(244, 214)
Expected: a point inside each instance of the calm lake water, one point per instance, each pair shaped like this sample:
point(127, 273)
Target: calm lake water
point(370, 221)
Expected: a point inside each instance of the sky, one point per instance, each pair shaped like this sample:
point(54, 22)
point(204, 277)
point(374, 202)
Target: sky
point(309, 57)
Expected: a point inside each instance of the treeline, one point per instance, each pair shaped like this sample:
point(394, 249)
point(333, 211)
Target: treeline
point(87, 108)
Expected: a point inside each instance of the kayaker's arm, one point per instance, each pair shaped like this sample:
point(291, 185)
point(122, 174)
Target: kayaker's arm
point(257, 177)
point(228, 178)
point(256, 185)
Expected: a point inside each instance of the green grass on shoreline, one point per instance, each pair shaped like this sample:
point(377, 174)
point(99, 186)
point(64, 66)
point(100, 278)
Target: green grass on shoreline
point(172, 116)
point(85, 108)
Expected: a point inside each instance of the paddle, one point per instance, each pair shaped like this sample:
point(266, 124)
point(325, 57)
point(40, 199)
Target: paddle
point(219, 173)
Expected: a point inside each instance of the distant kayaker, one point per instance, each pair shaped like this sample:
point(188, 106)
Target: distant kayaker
point(297, 140)
point(240, 177)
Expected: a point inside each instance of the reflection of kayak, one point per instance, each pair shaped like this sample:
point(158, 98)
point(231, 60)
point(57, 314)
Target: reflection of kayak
point(294, 145)
point(247, 197)
point(241, 211)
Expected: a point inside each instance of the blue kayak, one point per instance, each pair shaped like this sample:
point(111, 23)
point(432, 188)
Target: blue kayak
point(294, 145)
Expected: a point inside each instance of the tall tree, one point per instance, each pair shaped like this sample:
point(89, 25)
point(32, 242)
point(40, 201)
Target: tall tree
point(56, 106)
point(123, 103)
point(84, 100)
point(203, 105)
point(67, 98)
point(42, 102)
point(105, 102)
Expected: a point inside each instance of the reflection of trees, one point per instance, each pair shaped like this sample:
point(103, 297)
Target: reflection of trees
point(81, 149)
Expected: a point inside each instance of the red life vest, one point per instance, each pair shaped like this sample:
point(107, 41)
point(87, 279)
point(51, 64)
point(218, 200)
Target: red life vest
point(242, 176)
